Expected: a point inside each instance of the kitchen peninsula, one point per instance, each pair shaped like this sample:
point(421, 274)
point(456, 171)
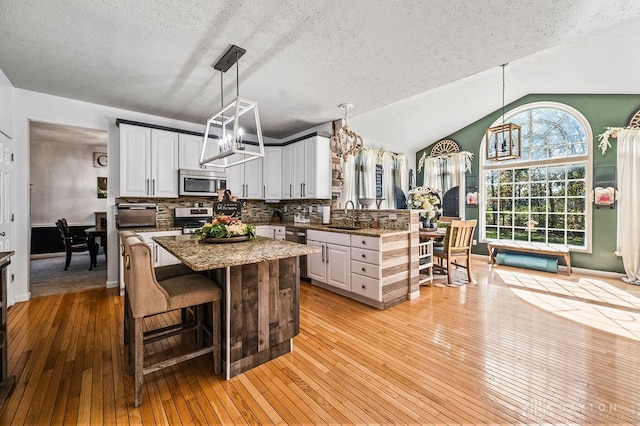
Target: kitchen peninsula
point(260, 282)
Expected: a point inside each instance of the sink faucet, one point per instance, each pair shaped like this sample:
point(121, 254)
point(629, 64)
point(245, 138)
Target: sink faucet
point(353, 211)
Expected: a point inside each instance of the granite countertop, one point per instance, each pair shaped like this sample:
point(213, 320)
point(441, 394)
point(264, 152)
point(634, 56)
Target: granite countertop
point(201, 256)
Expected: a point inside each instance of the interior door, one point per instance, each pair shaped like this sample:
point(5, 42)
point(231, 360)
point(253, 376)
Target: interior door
point(7, 231)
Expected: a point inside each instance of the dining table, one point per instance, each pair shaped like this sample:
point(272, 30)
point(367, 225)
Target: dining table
point(260, 281)
point(94, 247)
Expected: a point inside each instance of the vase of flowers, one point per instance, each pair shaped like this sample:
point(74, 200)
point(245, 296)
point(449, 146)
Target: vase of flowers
point(427, 200)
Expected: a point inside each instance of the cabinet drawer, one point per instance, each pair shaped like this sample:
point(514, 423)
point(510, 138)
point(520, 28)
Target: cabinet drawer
point(369, 243)
point(363, 255)
point(368, 287)
point(366, 269)
point(329, 237)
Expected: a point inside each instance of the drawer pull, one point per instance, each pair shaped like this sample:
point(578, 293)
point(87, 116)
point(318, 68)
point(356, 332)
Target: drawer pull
point(364, 288)
point(364, 270)
point(364, 256)
point(364, 243)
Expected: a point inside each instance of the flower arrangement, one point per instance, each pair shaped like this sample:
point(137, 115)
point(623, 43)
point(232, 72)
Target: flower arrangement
point(427, 199)
point(226, 227)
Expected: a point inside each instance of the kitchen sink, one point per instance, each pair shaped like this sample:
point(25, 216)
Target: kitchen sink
point(344, 227)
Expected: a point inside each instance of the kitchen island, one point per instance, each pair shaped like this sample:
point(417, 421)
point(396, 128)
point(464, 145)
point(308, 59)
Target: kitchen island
point(260, 282)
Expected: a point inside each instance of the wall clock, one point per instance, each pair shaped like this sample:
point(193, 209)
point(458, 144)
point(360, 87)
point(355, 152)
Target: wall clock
point(100, 159)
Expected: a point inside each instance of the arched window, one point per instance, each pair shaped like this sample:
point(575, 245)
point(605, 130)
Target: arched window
point(542, 196)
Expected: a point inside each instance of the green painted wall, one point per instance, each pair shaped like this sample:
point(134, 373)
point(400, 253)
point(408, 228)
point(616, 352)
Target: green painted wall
point(601, 111)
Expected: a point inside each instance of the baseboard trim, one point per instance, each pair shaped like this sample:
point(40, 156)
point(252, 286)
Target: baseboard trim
point(113, 284)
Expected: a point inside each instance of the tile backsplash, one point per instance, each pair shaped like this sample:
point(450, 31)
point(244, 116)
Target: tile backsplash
point(257, 211)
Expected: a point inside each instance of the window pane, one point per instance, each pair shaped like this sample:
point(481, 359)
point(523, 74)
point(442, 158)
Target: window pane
point(575, 205)
point(506, 176)
point(521, 235)
point(556, 205)
point(522, 205)
point(538, 189)
point(556, 237)
point(539, 236)
point(576, 238)
point(506, 190)
point(556, 221)
point(576, 171)
point(538, 204)
point(491, 232)
point(506, 219)
point(575, 221)
point(556, 188)
point(522, 175)
point(521, 219)
point(556, 173)
point(540, 218)
point(521, 190)
point(538, 173)
point(506, 205)
point(505, 233)
point(576, 188)
point(491, 218)
point(492, 205)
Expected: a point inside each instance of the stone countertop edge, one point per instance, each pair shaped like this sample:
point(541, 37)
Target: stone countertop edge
point(201, 256)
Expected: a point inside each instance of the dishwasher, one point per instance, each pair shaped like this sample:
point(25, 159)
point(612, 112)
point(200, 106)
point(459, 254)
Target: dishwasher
point(298, 235)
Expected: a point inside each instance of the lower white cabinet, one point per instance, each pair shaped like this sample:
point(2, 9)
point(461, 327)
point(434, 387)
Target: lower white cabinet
point(161, 257)
point(366, 269)
point(271, 231)
point(332, 265)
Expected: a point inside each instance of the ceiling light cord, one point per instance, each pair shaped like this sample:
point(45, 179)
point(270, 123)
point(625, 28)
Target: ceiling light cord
point(503, 86)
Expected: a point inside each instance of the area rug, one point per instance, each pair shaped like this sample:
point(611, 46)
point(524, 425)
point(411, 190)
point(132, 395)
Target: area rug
point(459, 278)
point(49, 277)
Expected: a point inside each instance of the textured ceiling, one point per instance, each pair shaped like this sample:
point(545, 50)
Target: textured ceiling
point(303, 57)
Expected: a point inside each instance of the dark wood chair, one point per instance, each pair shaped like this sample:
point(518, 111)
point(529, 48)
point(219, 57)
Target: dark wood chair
point(457, 245)
point(147, 297)
point(74, 243)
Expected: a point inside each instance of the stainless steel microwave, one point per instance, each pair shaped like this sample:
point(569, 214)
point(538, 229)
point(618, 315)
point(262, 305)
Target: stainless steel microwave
point(201, 183)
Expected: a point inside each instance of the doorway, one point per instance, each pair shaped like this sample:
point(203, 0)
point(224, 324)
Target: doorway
point(65, 180)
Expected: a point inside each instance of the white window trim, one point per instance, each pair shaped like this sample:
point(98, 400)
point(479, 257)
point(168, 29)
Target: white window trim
point(509, 164)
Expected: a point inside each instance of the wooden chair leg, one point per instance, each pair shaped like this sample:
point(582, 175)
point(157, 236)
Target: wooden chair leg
point(67, 261)
point(138, 360)
point(448, 270)
point(127, 318)
point(199, 311)
point(216, 326)
point(469, 268)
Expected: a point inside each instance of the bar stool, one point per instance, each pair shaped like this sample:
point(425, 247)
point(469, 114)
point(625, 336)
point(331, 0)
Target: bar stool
point(148, 296)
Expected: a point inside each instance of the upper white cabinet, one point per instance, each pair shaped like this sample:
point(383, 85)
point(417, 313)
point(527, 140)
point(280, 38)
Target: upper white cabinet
point(307, 169)
point(148, 162)
point(190, 149)
point(245, 179)
point(272, 173)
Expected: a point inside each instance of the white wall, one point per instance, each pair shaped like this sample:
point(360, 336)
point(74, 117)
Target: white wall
point(64, 182)
point(53, 109)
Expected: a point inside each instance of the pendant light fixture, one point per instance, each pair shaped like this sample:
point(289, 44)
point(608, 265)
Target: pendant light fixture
point(228, 127)
point(346, 142)
point(503, 142)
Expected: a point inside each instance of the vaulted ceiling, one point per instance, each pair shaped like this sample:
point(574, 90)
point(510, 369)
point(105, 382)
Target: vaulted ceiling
point(425, 67)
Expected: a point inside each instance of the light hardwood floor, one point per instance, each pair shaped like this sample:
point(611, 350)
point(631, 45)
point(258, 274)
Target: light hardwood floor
point(474, 354)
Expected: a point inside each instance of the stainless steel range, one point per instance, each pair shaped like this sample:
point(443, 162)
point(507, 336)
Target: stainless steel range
point(192, 218)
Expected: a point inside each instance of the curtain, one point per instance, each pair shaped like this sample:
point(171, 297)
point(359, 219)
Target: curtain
point(628, 177)
point(446, 171)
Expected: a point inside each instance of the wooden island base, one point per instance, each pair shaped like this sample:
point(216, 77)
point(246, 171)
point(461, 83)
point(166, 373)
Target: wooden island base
point(260, 312)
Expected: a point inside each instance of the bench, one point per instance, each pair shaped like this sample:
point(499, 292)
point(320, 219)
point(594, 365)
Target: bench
point(525, 247)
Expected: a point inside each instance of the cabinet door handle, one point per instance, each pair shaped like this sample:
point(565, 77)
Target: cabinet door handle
point(301, 193)
point(322, 253)
point(327, 254)
point(153, 187)
point(304, 189)
point(146, 187)
point(264, 191)
point(290, 190)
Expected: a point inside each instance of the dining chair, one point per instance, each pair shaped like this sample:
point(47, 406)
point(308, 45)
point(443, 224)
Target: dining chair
point(457, 245)
point(148, 297)
point(73, 243)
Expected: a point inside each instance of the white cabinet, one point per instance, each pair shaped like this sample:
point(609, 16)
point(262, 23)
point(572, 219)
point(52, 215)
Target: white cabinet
point(332, 265)
point(307, 169)
point(245, 180)
point(272, 173)
point(271, 231)
point(190, 149)
point(148, 162)
point(161, 257)
point(366, 270)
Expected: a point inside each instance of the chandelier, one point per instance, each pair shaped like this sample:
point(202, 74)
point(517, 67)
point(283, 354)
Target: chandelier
point(229, 124)
point(503, 141)
point(346, 142)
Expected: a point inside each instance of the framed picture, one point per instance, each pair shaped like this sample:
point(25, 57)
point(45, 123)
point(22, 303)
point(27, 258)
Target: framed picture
point(102, 187)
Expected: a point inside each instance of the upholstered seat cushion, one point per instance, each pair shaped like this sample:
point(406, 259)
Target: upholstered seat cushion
point(190, 290)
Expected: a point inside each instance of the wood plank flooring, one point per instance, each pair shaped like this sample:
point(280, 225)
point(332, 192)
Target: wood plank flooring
point(475, 354)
